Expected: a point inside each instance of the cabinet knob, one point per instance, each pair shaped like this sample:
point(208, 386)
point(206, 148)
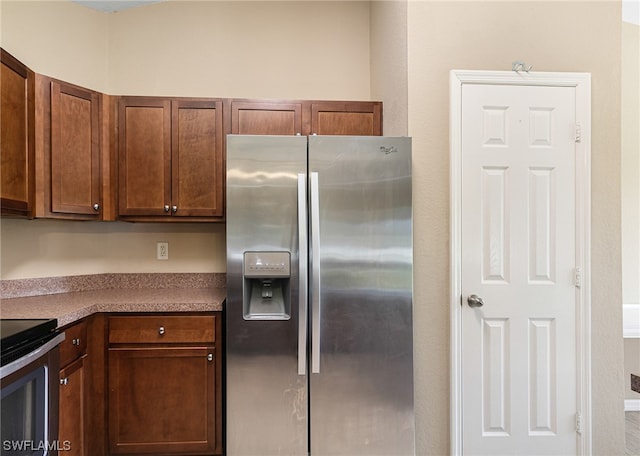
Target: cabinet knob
point(166, 208)
point(210, 357)
point(64, 381)
point(96, 207)
point(75, 341)
point(174, 209)
point(161, 330)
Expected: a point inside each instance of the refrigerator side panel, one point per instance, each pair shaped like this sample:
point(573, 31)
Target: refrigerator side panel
point(361, 399)
point(266, 408)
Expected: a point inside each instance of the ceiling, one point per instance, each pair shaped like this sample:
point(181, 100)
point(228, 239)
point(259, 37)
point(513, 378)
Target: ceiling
point(630, 8)
point(112, 6)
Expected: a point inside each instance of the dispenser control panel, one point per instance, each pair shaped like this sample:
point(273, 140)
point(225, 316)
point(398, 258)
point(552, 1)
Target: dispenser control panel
point(267, 264)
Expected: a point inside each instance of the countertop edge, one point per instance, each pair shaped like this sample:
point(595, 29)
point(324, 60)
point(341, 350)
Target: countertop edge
point(68, 308)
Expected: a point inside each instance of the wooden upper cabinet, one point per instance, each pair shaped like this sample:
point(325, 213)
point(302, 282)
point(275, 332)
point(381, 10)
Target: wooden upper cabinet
point(69, 153)
point(145, 156)
point(353, 118)
point(50, 136)
point(266, 118)
point(197, 158)
point(170, 158)
point(17, 137)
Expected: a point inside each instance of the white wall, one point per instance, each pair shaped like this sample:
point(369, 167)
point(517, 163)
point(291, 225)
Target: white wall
point(631, 163)
point(631, 194)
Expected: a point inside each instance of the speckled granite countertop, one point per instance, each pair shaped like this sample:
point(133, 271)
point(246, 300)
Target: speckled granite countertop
point(115, 293)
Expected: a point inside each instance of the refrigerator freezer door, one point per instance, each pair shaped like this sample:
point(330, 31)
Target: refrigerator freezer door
point(266, 406)
point(362, 396)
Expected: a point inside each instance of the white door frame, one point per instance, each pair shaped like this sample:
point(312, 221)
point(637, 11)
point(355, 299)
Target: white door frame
point(582, 84)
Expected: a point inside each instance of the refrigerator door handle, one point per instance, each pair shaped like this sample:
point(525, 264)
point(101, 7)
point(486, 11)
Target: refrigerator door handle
point(315, 275)
point(303, 261)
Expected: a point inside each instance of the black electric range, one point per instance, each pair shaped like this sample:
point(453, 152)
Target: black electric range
point(19, 337)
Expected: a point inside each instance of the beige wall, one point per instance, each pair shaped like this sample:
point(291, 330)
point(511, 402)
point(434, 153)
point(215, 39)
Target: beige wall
point(312, 50)
point(50, 248)
point(261, 49)
point(59, 39)
point(389, 63)
point(552, 36)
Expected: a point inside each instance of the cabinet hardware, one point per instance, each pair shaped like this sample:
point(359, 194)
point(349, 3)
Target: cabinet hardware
point(161, 330)
point(75, 341)
point(174, 209)
point(64, 381)
point(166, 208)
point(96, 207)
point(210, 357)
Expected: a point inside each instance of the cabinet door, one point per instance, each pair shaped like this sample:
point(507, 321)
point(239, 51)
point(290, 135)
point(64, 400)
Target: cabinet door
point(72, 408)
point(162, 400)
point(197, 158)
point(75, 150)
point(266, 118)
point(17, 137)
point(144, 156)
point(352, 118)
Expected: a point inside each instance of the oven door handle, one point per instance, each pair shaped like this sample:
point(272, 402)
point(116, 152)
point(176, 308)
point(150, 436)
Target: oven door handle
point(31, 356)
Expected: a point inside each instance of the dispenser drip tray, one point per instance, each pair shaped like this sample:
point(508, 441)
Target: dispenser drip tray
point(266, 301)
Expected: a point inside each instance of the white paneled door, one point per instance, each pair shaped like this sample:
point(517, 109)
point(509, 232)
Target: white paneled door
point(518, 270)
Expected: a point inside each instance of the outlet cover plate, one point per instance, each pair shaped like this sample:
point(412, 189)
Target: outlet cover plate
point(162, 251)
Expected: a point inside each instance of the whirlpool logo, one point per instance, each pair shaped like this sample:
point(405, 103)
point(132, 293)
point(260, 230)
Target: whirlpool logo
point(388, 150)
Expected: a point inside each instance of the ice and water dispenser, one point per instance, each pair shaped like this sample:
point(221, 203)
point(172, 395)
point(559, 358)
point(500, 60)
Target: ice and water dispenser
point(266, 277)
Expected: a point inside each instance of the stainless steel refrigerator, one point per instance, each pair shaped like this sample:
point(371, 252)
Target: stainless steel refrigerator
point(319, 351)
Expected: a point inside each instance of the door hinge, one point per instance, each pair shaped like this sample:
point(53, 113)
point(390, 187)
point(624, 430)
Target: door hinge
point(578, 422)
point(577, 278)
point(578, 132)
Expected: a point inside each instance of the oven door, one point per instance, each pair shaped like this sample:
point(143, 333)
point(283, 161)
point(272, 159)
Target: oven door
point(29, 402)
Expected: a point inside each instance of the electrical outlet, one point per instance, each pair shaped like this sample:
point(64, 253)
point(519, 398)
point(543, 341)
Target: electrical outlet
point(163, 251)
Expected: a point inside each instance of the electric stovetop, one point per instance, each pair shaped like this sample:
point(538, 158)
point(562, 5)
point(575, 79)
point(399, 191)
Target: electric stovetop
point(21, 336)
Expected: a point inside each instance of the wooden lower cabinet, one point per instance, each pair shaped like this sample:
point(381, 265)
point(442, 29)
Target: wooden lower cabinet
point(73, 395)
point(73, 408)
point(164, 390)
